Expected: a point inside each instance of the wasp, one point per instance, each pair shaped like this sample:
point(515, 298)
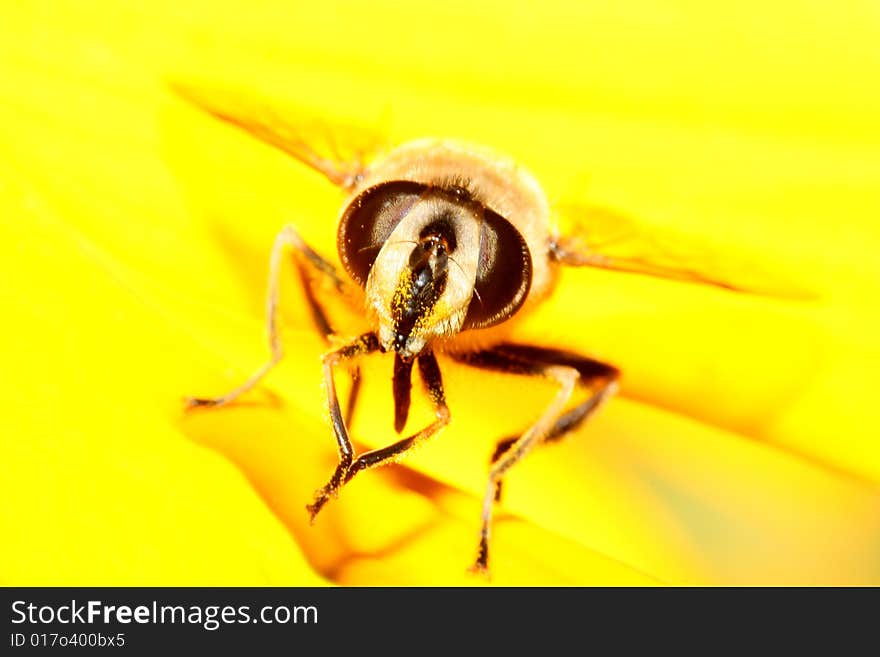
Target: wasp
point(449, 244)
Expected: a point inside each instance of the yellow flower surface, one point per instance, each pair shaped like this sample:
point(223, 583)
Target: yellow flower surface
point(743, 447)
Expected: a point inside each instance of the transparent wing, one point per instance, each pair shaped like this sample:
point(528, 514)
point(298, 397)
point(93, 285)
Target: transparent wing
point(337, 151)
point(599, 237)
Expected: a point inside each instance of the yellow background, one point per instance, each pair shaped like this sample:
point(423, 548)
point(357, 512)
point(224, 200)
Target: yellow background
point(135, 231)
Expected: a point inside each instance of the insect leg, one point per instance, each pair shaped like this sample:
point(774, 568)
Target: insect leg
point(500, 448)
point(287, 238)
point(430, 373)
point(323, 325)
point(401, 385)
point(567, 369)
point(361, 346)
point(600, 377)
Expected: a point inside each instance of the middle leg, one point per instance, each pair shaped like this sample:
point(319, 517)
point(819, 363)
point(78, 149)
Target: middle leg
point(307, 262)
point(567, 369)
point(601, 379)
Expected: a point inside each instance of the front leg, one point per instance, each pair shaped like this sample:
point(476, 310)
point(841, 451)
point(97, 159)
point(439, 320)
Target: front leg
point(361, 346)
point(347, 469)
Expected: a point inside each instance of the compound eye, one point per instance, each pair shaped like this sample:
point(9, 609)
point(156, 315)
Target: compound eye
point(504, 273)
point(369, 221)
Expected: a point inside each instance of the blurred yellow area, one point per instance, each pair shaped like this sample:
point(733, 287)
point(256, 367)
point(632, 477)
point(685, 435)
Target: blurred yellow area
point(743, 448)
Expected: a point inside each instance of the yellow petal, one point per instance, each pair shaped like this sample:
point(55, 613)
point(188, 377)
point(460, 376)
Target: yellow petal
point(101, 487)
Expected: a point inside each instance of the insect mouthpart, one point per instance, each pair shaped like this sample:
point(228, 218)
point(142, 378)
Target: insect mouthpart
point(421, 283)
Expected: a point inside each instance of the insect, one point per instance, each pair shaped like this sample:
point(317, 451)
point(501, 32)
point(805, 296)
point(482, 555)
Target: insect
point(449, 244)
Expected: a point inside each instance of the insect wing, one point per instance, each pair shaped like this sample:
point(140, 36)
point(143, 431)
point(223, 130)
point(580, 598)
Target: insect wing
point(603, 238)
point(337, 151)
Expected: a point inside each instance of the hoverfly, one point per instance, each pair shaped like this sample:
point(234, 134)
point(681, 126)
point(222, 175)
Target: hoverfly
point(448, 243)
